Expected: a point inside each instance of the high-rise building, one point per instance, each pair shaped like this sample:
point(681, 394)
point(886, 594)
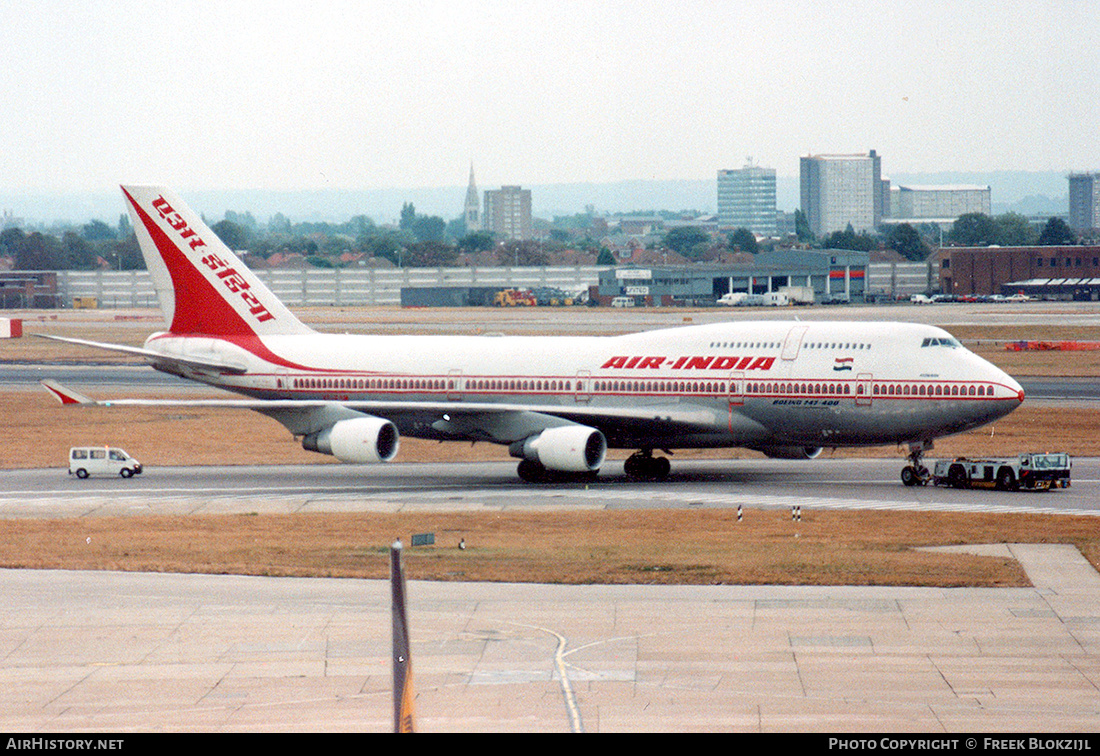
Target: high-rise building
point(472, 212)
point(746, 199)
point(843, 190)
point(508, 212)
point(1084, 201)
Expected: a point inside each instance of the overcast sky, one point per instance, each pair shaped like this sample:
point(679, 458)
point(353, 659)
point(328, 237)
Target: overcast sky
point(362, 95)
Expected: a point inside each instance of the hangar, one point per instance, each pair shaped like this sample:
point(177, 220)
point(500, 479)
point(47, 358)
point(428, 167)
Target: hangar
point(834, 275)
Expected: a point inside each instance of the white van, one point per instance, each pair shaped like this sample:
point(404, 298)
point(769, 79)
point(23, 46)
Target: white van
point(732, 299)
point(88, 460)
point(622, 302)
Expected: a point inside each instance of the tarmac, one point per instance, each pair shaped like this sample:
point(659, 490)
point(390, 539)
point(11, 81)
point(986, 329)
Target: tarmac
point(112, 652)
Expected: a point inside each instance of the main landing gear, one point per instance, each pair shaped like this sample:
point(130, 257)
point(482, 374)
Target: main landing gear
point(915, 473)
point(531, 471)
point(642, 465)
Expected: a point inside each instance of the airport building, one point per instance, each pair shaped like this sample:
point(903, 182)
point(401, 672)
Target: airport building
point(508, 213)
point(842, 190)
point(831, 275)
point(981, 271)
point(746, 199)
point(21, 289)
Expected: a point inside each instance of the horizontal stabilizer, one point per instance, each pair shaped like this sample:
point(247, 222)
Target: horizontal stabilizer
point(65, 395)
point(157, 359)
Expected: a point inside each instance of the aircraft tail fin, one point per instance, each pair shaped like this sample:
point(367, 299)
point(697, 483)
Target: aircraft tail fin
point(202, 286)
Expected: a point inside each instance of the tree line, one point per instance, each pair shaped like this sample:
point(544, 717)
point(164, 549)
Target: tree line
point(428, 241)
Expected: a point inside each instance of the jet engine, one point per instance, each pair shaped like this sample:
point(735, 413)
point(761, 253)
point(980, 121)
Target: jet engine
point(569, 448)
point(362, 440)
point(790, 452)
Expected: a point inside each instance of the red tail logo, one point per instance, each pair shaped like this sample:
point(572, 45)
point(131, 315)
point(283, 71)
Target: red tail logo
point(230, 278)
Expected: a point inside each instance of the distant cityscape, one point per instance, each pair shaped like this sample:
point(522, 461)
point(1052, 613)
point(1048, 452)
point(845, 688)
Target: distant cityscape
point(844, 201)
point(837, 193)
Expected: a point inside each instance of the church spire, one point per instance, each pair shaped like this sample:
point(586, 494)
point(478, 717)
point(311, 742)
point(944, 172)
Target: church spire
point(473, 212)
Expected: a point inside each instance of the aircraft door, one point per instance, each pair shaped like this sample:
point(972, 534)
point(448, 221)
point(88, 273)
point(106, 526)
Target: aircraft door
point(863, 390)
point(454, 385)
point(736, 394)
point(793, 342)
point(736, 389)
point(584, 387)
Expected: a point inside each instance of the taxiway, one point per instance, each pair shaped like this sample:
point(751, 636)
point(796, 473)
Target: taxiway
point(756, 483)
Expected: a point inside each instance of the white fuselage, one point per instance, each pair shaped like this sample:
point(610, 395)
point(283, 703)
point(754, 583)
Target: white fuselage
point(766, 384)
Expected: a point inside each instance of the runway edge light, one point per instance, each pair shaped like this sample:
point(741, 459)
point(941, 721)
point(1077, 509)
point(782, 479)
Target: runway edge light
point(403, 695)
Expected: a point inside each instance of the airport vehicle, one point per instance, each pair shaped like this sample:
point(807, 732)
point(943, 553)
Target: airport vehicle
point(752, 300)
point(920, 299)
point(549, 296)
point(798, 295)
point(785, 388)
point(622, 302)
point(514, 298)
point(732, 299)
point(100, 460)
point(1030, 471)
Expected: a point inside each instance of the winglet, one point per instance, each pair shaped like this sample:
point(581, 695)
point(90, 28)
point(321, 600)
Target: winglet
point(64, 395)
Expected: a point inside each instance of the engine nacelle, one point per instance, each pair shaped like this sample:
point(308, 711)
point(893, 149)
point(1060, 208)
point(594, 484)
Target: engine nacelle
point(790, 452)
point(362, 440)
point(570, 448)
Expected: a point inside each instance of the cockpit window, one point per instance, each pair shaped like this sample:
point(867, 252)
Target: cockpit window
point(946, 342)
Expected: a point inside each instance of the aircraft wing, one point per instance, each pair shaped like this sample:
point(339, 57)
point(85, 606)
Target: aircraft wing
point(487, 421)
point(159, 360)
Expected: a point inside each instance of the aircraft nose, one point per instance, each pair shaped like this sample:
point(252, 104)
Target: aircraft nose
point(1011, 395)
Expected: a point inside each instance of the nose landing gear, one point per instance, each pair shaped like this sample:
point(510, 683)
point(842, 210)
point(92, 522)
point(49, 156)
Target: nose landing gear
point(915, 473)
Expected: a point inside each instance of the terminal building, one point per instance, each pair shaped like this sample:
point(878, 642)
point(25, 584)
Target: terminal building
point(832, 274)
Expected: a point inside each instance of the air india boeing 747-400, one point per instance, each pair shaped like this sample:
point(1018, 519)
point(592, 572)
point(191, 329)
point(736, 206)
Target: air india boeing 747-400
point(787, 389)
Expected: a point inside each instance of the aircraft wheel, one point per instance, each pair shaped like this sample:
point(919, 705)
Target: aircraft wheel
point(909, 476)
point(81, 473)
point(1006, 479)
point(645, 467)
point(661, 468)
point(957, 477)
point(532, 472)
point(633, 466)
